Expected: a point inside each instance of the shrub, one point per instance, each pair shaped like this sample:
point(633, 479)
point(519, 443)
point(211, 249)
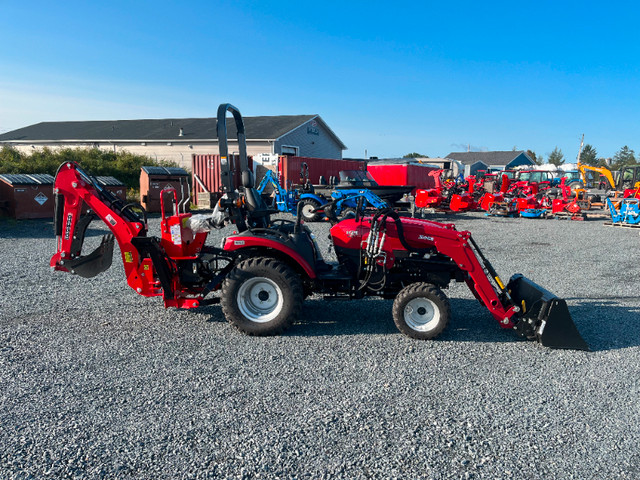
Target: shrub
point(124, 166)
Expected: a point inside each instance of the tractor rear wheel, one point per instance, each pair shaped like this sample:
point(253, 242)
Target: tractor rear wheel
point(308, 207)
point(421, 311)
point(262, 296)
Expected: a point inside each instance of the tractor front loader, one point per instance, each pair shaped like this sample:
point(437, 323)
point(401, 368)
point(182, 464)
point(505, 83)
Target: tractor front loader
point(263, 272)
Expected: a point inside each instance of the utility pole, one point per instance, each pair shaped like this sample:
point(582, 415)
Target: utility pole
point(580, 151)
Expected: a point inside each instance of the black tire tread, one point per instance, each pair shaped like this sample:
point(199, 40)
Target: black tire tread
point(410, 291)
point(276, 326)
point(316, 217)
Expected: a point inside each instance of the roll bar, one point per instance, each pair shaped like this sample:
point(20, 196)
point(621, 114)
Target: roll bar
point(221, 130)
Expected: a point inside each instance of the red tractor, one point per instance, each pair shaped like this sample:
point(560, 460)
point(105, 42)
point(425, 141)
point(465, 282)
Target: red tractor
point(264, 270)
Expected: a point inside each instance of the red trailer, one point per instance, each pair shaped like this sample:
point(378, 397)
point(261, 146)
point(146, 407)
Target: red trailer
point(416, 174)
point(289, 168)
point(205, 172)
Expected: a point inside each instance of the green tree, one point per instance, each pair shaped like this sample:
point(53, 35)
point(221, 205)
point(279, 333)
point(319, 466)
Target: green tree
point(556, 157)
point(589, 156)
point(624, 156)
point(415, 155)
point(538, 160)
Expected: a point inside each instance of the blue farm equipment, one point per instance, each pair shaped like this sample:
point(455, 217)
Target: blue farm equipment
point(287, 200)
point(346, 200)
point(350, 201)
point(626, 212)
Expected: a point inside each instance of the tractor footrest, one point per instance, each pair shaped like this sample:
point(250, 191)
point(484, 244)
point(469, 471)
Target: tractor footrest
point(337, 297)
point(334, 276)
point(210, 301)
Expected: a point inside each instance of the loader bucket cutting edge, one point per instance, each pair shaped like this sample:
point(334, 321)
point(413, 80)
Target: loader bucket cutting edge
point(545, 317)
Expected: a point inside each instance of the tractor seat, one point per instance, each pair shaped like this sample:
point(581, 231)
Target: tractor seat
point(257, 208)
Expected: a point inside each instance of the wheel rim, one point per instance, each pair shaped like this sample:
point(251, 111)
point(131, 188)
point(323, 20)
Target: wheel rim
point(421, 315)
point(307, 210)
point(260, 299)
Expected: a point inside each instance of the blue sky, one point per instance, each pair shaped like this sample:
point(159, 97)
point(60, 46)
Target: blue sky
point(388, 78)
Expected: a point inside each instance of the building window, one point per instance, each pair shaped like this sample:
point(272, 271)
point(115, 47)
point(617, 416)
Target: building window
point(289, 150)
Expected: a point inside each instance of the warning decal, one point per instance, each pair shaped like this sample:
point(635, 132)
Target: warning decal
point(41, 198)
point(176, 237)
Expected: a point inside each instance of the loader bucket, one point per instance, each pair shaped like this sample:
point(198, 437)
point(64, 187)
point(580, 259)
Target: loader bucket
point(544, 316)
point(96, 262)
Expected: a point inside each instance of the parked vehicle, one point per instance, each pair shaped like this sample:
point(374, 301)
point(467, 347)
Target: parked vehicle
point(284, 200)
point(356, 179)
point(265, 269)
point(572, 177)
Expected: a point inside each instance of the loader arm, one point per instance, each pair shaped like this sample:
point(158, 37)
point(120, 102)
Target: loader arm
point(521, 304)
point(481, 277)
point(146, 268)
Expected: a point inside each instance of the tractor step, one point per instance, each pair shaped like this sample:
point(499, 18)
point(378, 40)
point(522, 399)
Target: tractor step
point(209, 301)
point(333, 298)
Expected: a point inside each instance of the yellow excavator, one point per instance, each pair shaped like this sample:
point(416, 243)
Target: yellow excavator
point(583, 168)
point(604, 171)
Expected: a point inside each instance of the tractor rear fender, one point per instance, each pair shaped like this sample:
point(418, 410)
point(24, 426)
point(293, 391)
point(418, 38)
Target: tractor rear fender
point(313, 196)
point(283, 247)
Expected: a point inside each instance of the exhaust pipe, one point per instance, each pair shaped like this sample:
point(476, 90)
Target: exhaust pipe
point(544, 317)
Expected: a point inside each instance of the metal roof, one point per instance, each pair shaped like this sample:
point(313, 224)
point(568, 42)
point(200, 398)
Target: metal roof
point(109, 182)
point(165, 171)
point(168, 129)
point(27, 178)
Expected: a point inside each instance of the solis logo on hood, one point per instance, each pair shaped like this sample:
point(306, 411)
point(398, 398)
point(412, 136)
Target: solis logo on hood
point(425, 237)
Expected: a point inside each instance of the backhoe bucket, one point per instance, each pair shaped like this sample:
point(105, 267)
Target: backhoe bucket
point(96, 262)
point(544, 316)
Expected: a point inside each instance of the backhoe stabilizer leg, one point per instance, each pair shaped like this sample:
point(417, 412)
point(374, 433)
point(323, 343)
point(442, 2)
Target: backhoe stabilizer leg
point(544, 316)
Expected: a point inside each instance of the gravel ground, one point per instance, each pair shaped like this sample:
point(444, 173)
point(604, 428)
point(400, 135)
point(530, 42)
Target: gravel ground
point(98, 382)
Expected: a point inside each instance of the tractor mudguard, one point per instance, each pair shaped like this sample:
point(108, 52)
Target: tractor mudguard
point(544, 316)
point(313, 196)
point(286, 246)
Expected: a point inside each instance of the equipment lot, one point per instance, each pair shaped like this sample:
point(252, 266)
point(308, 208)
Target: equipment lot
point(98, 382)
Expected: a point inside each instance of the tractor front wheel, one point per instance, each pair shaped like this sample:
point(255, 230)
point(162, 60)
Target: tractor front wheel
point(262, 296)
point(308, 213)
point(421, 311)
